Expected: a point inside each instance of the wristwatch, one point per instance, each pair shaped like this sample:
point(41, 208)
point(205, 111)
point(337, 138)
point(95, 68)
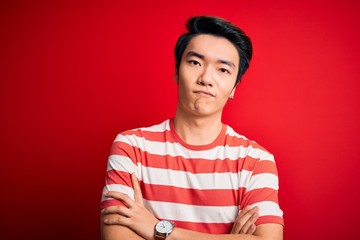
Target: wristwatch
point(163, 229)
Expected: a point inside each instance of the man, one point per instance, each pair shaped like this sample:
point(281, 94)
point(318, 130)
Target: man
point(198, 178)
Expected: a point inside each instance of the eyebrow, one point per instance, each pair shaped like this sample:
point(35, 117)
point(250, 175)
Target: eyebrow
point(198, 55)
point(195, 54)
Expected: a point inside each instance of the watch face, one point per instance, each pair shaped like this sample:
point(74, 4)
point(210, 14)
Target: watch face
point(164, 226)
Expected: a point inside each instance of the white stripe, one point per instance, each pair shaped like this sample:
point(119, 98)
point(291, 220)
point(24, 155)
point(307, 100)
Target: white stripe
point(168, 177)
point(268, 208)
point(262, 155)
point(189, 180)
point(175, 149)
point(121, 163)
point(192, 213)
point(162, 127)
point(230, 131)
point(125, 164)
point(118, 188)
point(123, 138)
point(244, 178)
point(263, 180)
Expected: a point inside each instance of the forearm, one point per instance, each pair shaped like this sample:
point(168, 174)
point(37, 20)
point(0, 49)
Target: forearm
point(263, 232)
point(117, 232)
point(136, 218)
point(183, 234)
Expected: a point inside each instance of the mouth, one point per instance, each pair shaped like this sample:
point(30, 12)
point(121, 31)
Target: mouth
point(204, 93)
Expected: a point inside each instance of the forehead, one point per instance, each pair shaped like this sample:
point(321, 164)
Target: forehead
point(213, 47)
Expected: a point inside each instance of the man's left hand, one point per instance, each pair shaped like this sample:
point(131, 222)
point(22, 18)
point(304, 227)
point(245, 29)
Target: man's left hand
point(134, 215)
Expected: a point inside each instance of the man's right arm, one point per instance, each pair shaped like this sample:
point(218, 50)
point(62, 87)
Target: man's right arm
point(116, 173)
point(113, 229)
point(116, 232)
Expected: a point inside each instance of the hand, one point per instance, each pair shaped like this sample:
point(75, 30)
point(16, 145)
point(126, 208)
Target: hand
point(244, 222)
point(135, 216)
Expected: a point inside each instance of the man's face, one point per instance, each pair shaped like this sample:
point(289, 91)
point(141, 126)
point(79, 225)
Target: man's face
point(207, 75)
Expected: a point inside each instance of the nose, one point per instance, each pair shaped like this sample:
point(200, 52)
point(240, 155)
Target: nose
point(206, 78)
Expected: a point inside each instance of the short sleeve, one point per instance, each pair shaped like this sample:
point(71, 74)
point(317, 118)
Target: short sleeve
point(121, 163)
point(262, 191)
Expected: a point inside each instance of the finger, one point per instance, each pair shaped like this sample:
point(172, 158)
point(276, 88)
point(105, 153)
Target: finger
point(119, 210)
point(137, 190)
point(244, 211)
point(251, 221)
point(245, 219)
point(124, 198)
point(251, 229)
point(116, 220)
point(240, 220)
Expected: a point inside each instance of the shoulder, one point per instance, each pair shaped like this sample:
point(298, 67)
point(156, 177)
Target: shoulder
point(138, 138)
point(157, 128)
point(250, 147)
point(243, 140)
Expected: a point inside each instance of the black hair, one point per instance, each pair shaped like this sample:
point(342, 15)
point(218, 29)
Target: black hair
point(221, 28)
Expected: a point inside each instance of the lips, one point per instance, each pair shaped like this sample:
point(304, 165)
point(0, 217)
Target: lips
point(204, 93)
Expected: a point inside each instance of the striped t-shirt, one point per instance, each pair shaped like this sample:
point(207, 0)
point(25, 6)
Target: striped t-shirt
point(200, 188)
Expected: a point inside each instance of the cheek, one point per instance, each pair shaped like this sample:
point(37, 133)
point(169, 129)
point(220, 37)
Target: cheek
point(183, 89)
point(226, 89)
point(184, 82)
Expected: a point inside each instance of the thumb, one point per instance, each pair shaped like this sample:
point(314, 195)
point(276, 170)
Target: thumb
point(137, 190)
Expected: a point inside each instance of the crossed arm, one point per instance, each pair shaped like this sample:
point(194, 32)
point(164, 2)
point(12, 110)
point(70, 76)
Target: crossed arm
point(134, 221)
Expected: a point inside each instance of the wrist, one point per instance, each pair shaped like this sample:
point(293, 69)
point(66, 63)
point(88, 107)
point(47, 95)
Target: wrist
point(163, 229)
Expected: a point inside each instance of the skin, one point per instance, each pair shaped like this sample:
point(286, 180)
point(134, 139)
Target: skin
point(137, 218)
point(206, 79)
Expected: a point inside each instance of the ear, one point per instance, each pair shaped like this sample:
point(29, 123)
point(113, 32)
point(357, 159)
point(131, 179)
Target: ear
point(232, 93)
point(176, 77)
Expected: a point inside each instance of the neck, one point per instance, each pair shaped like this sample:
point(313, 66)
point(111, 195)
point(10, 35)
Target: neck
point(197, 130)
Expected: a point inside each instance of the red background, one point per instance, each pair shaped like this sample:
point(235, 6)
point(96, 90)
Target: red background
point(73, 75)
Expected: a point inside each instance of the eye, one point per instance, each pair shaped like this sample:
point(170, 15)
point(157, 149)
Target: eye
point(224, 70)
point(194, 62)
